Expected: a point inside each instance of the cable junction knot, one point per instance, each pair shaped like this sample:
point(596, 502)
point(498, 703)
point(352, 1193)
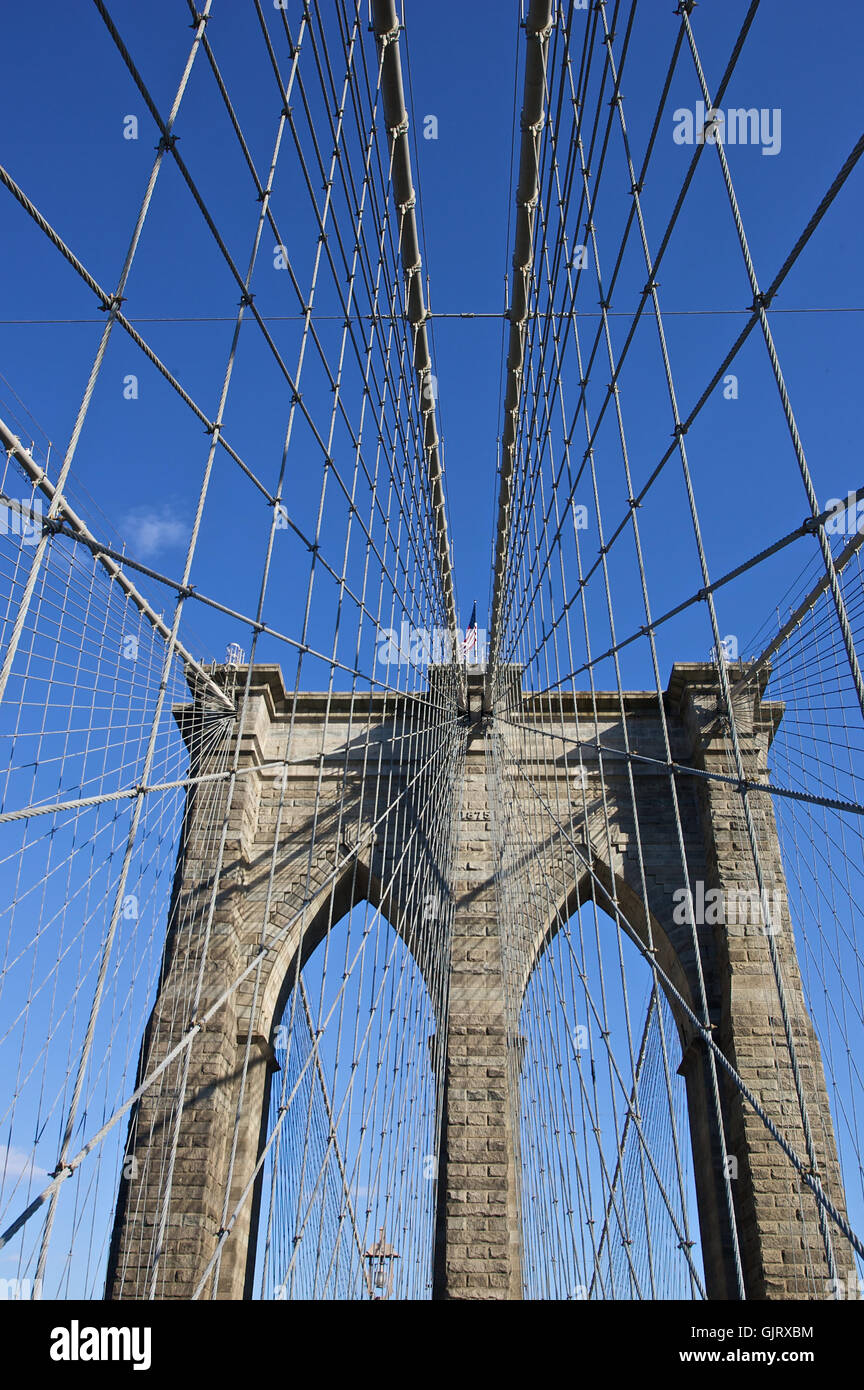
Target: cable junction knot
point(541, 34)
point(167, 142)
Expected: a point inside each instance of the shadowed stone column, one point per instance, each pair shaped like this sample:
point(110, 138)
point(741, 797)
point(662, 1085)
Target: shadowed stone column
point(203, 1136)
point(478, 1248)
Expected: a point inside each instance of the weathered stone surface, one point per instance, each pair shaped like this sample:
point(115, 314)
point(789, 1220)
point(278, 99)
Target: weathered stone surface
point(337, 787)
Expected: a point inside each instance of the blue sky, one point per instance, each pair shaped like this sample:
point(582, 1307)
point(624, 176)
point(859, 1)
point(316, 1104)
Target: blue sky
point(141, 460)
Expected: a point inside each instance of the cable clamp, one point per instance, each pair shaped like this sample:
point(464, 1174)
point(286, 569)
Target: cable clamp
point(679, 431)
point(111, 303)
point(762, 300)
point(811, 524)
point(246, 299)
point(167, 143)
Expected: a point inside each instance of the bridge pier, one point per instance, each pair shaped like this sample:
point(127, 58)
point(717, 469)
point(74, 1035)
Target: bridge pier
point(782, 1249)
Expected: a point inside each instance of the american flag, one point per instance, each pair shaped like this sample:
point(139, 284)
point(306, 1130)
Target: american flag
point(470, 643)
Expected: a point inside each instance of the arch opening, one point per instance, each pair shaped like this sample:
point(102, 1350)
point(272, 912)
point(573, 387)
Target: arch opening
point(608, 1194)
point(351, 1124)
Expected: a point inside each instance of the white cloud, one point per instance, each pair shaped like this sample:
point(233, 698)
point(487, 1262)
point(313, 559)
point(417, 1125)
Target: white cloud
point(150, 530)
point(16, 1163)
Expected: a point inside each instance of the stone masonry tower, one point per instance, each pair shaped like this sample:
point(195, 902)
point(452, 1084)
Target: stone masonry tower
point(333, 796)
